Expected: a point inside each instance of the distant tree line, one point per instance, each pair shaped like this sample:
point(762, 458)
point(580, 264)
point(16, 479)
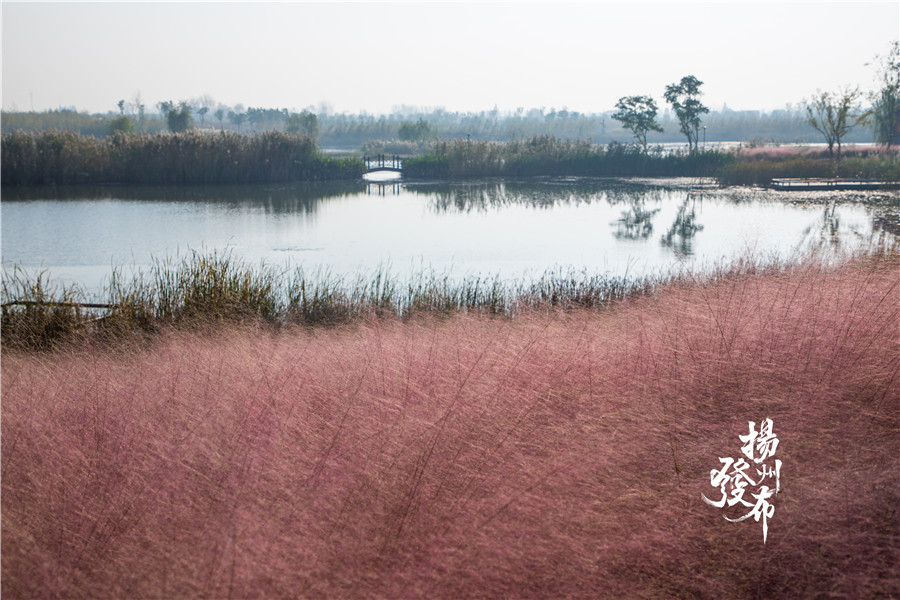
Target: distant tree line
point(835, 117)
point(352, 131)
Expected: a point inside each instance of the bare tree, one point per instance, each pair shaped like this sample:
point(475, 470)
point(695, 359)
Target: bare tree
point(138, 103)
point(834, 114)
point(885, 111)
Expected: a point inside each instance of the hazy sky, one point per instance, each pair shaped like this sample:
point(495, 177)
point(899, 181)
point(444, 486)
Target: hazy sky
point(373, 56)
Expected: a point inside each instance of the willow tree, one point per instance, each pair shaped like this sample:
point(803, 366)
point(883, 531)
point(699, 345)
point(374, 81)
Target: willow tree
point(638, 114)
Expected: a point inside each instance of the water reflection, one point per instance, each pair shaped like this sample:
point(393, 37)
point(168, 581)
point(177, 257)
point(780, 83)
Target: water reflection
point(293, 198)
point(680, 235)
point(636, 223)
point(383, 188)
point(642, 212)
point(831, 226)
point(481, 197)
point(833, 232)
point(887, 225)
point(478, 197)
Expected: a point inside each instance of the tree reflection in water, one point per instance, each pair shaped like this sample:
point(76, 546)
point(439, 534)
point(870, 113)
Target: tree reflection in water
point(680, 236)
point(636, 223)
point(641, 205)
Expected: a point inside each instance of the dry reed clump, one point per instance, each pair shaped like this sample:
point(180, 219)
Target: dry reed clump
point(549, 455)
point(199, 291)
point(46, 313)
point(207, 290)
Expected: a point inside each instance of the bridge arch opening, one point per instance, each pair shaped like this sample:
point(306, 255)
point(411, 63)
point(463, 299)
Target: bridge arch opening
point(378, 176)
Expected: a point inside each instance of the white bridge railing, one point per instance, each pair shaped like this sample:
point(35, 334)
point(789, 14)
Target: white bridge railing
point(382, 162)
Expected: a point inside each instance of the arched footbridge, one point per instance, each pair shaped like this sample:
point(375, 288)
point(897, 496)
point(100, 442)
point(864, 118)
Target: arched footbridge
point(382, 163)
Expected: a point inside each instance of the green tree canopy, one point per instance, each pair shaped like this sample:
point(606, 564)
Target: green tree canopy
point(178, 117)
point(306, 123)
point(419, 131)
point(685, 100)
point(121, 123)
point(237, 118)
point(638, 114)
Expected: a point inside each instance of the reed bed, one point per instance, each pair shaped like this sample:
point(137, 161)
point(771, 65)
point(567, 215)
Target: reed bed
point(64, 157)
point(203, 289)
point(556, 454)
point(462, 159)
point(545, 155)
point(760, 169)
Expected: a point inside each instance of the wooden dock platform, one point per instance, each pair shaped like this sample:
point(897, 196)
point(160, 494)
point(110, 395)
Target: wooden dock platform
point(809, 184)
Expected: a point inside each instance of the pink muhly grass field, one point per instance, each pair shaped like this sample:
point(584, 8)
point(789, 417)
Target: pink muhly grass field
point(556, 454)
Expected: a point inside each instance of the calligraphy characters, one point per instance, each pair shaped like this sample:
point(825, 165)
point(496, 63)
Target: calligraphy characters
point(748, 481)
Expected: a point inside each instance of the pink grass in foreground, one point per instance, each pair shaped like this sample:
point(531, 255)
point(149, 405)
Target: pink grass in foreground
point(469, 457)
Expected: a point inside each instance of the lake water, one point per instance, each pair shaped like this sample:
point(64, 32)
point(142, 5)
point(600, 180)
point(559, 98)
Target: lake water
point(512, 229)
